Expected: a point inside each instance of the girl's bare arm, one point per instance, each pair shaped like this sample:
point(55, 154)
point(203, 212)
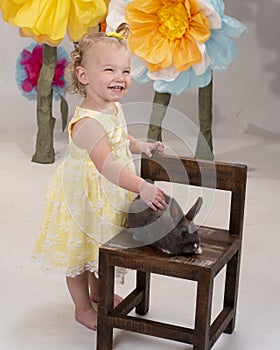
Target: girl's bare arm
point(90, 135)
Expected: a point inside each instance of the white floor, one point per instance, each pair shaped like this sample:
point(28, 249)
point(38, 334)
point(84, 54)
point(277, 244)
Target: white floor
point(36, 310)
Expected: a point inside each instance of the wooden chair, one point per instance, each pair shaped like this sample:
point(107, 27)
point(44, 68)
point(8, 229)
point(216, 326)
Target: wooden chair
point(221, 248)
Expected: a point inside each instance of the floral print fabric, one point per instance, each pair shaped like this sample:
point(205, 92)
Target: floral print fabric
point(83, 208)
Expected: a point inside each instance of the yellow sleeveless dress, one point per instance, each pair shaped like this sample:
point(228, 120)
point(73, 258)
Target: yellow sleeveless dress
point(83, 208)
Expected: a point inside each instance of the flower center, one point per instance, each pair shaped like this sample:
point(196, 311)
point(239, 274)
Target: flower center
point(173, 19)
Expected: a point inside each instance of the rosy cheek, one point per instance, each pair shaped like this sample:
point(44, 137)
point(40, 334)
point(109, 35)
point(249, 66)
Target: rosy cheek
point(128, 82)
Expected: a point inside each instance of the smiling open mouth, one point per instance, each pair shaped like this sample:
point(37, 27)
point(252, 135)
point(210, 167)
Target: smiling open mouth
point(116, 87)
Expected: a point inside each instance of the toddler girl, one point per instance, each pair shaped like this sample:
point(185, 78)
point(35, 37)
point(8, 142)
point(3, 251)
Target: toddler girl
point(91, 190)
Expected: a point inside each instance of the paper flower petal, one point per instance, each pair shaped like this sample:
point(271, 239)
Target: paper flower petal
point(186, 80)
point(232, 27)
point(169, 74)
point(28, 68)
point(221, 50)
point(212, 16)
point(47, 21)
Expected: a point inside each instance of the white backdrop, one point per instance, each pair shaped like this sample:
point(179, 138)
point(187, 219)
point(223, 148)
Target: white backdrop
point(246, 95)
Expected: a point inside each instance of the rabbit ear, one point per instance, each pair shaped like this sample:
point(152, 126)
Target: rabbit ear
point(175, 211)
point(192, 228)
point(194, 209)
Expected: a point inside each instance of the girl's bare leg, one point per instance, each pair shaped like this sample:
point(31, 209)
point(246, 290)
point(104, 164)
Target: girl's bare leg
point(79, 290)
point(93, 286)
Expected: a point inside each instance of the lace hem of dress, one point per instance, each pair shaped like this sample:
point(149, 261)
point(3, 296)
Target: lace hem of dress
point(72, 272)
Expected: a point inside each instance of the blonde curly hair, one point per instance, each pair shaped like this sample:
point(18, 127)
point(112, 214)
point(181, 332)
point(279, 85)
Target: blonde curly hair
point(76, 57)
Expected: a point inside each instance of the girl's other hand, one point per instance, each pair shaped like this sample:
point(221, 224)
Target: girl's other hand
point(156, 147)
point(152, 196)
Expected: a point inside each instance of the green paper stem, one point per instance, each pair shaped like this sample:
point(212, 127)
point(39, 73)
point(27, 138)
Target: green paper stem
point(160, 104)
point(63, 111)
point(204, 148)
point(44, 152)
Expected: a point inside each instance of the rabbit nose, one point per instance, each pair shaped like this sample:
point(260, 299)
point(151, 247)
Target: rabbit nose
point(197, 248)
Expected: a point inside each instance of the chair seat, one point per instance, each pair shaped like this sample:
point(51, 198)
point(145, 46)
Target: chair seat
point(217, 248)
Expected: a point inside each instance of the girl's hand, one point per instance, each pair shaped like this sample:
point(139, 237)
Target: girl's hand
point(138, 146)
point(156, 147)
point(152, 196)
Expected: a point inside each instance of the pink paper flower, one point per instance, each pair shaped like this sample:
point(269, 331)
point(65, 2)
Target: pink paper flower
point(28, 69)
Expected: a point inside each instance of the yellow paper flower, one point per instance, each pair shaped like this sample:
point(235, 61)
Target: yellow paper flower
point(167, 33)
point(47, 21)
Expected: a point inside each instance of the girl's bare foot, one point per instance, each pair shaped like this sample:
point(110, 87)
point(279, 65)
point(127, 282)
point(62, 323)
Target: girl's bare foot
point(87, 318)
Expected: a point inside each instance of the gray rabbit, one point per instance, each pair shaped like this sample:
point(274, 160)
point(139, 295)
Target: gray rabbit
point(169, 230)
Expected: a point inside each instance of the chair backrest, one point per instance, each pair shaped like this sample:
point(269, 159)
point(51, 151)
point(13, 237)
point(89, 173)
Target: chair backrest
point(197, 172)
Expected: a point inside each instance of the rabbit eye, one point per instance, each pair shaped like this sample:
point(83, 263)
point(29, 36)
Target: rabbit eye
point(184, 233)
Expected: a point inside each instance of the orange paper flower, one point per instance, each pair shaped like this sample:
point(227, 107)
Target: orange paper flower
point(166, 33)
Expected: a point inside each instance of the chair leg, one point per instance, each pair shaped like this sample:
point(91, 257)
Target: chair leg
point(105, 304)
point(143, 283)
point(231, 288)
point(203, 313)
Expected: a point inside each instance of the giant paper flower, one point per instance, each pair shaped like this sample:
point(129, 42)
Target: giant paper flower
point(167, 33)
point(28, 69)
point(177, 43)
point(47, 21)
